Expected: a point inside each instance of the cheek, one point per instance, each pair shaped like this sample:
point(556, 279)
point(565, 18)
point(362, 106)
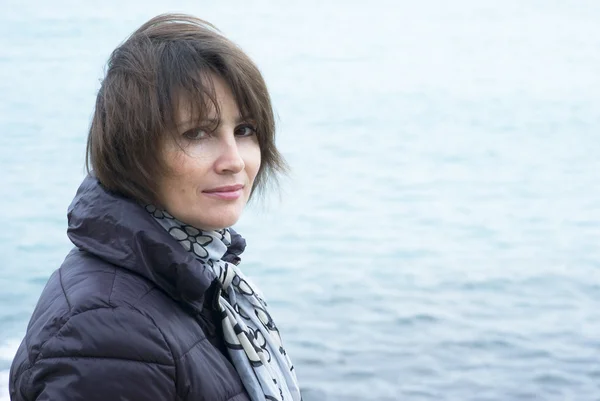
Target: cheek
point(252, 160)
point(182, 170)
point(189, 163)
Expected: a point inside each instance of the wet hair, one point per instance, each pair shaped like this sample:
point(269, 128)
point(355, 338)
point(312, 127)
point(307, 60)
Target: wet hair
point(171, 57)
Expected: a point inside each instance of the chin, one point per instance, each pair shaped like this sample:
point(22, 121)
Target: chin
point(218, 219)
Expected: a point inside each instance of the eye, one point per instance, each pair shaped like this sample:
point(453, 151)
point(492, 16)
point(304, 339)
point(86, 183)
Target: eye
point(195, 134)
point(245, 130)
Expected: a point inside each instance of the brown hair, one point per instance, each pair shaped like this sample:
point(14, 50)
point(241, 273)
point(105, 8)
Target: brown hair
point(169, 56)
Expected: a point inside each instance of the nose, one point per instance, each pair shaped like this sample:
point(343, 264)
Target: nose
point(230, 160)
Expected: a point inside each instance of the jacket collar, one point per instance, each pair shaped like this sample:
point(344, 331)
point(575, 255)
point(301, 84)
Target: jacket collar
point(120, 231)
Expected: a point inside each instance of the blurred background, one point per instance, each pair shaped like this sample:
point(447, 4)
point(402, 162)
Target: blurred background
point(438, 236)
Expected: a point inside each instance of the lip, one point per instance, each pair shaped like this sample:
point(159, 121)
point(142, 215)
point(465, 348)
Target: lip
point(228, 192)
point(226, 188)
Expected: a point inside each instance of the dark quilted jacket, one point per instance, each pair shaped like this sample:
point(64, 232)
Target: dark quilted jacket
point(130, 315)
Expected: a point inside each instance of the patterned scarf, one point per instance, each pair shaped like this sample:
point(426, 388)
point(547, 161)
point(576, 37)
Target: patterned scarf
point(251, 337)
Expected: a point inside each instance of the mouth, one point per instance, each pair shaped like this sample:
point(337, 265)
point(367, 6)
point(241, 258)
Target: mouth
point(229, 192)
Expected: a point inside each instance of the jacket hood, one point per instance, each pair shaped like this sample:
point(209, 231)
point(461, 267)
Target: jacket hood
point(120, 231)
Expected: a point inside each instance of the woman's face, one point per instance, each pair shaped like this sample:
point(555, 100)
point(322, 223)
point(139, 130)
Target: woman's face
point(211, 171)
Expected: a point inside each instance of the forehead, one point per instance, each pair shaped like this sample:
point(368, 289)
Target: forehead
point(211, 102)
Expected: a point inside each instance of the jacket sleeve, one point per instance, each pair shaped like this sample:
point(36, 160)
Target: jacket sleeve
point(99, 355)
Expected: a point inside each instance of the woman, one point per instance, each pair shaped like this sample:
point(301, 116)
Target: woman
point(150, 304)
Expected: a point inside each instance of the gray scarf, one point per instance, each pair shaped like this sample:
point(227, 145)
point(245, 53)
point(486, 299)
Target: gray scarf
point(251, 337)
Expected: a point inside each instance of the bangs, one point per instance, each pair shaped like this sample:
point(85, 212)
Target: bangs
point(185, 79)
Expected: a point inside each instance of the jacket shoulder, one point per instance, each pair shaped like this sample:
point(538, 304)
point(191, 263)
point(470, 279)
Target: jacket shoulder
point(86, 325)
point(91, 353)
point(88, 282)
point(97, 326)
point(83, 290)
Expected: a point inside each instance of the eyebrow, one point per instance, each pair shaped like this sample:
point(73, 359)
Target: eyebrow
point(212, 121)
